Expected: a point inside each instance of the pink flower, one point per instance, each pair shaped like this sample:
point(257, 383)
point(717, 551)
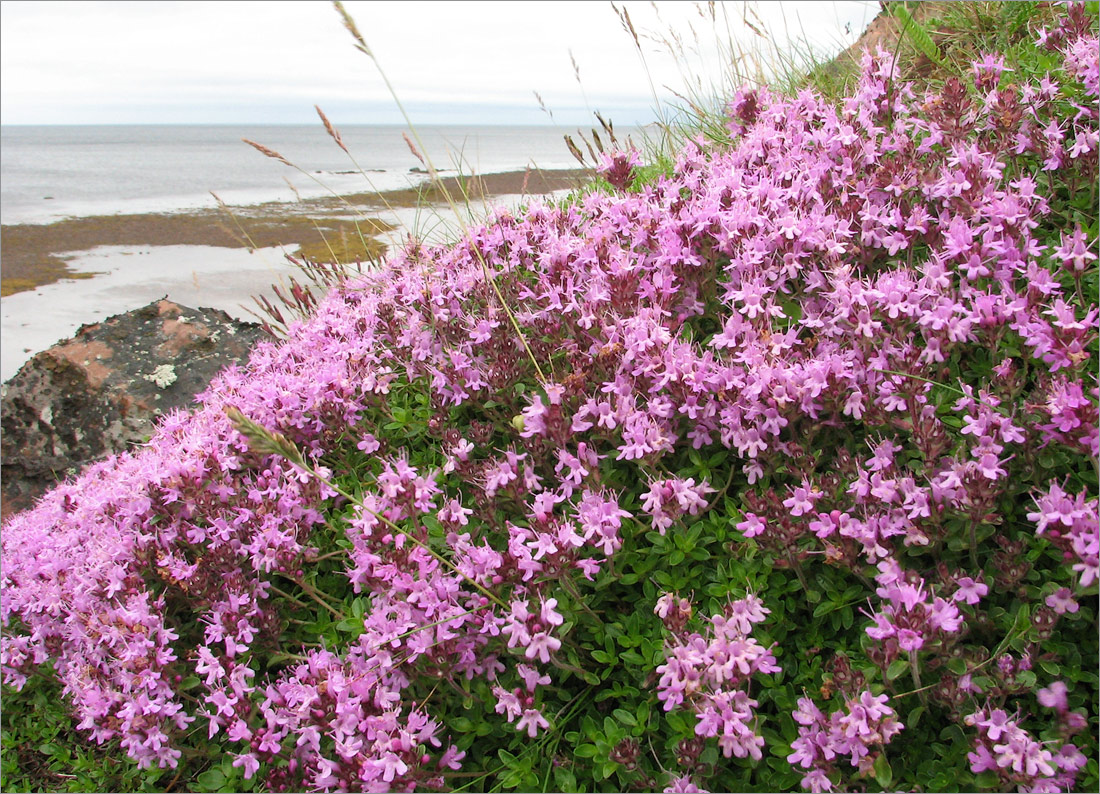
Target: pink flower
point(1054, 696)
point(944, 615)
point(817, 781)
point(508, 703)
point(909, 640)
point(542, 645)
point(751, 526)
point(391, 766)
point(683, 785)
point(532, 720)
point(549, 612)
point(801, 500)
point(1062, 601)
point(996, 724)
point(969, 590)
point(368, 443)
point(531, 677)
point(249, 763)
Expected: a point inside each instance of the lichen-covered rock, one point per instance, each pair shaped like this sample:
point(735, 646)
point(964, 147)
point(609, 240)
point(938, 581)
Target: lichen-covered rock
point(102, 390)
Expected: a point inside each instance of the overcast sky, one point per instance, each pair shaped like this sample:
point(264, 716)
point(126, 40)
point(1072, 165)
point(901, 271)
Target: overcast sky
point(450, 62)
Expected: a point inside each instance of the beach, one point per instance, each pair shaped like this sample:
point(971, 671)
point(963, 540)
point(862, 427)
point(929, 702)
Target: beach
point(60, 275)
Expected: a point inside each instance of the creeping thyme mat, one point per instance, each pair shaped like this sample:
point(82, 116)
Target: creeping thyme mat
point(776, 471)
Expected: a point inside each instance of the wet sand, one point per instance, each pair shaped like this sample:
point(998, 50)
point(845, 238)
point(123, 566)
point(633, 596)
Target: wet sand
point(128, 277)
point(348, 228)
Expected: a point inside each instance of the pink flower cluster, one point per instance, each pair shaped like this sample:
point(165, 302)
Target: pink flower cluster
point(670, 499)
point(710, 675)
point(911, 617)
point(859, 731)
point(375, 744)
point(1071, 523)
point(1019, 760)
point(618, 168)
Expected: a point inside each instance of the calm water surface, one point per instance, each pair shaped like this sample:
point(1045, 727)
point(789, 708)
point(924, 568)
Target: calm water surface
point(50, 172)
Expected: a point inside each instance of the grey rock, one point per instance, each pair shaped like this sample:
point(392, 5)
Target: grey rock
point(102, 391)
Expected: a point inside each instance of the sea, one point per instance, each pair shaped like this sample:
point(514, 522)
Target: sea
point(52, 172)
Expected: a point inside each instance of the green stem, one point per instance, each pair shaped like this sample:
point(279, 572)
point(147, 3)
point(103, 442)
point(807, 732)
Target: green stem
point(797, 566)
point(918, 377)
point(438, 623)
point(312, 594)
point(1009, 637)
point(721, 493)
point(567, 585)
point(330, 555)
point(863, 580)
point(914, 667)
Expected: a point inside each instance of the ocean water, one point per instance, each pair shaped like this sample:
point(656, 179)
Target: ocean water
point(51, 172)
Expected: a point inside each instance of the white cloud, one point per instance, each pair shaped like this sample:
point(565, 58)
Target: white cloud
point(121, 62)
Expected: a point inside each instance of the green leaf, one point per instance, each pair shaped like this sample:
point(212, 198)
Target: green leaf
point(982, 682)
point(606, 770)
point(824, 608)
point(883, 773)
point(987, 780)
point(585, 751)
point(350, 625)
point(1050, 667)
point(898, 667)
point(565, 779)
point(210, 780)
point(957, 666)
point(625, 717)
